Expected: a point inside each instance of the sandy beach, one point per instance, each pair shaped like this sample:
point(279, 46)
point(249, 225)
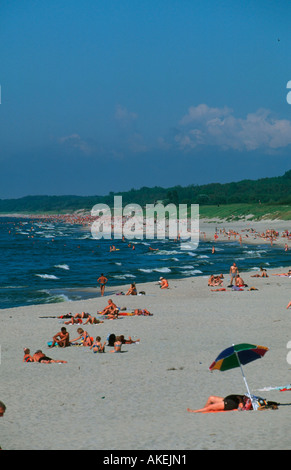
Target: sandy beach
point(251, 232)
point(138, 400)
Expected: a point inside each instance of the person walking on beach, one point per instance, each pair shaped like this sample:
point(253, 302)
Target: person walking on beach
point(102, 281)
point(233, 273)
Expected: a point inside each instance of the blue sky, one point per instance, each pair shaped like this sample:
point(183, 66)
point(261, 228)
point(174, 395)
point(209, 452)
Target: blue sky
point(109, 95)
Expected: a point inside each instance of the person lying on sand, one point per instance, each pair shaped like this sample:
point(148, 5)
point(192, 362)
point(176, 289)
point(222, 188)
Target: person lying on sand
point(283, 274)
point(214, 403)
point(84, 337)
point(82, 315)
point(128, 341)
point(67, 315)
point(289, 305)
point(143, 311)
point(74, 321)
point(39, 356)
point(62, 339)
point(92, 320)
point(236, 402)
point(263, 273)
point(97, 346)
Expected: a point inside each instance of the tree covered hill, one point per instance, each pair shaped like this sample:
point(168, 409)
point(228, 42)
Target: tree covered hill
point(272, 191)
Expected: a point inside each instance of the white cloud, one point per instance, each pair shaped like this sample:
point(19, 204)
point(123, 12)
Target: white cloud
point(124, 117)
point(74, 141)
point(203, 125)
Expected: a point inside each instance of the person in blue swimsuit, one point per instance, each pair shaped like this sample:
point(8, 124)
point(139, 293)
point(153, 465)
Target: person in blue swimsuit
point(102, 281)
point(97, 346)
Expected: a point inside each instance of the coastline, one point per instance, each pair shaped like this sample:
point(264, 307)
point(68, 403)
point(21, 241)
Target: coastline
point(250, 231)
point(145, 391)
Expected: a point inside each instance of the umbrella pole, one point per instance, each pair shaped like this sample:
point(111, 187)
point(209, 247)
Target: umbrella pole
point(245, 380)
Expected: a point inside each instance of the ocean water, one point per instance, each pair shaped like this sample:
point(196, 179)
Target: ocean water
point(49, 261)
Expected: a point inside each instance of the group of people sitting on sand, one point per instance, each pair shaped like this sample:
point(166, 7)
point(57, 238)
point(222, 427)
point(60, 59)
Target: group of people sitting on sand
point(236, 281)
point(62, 339)
point(215, 281)
point(110, 311)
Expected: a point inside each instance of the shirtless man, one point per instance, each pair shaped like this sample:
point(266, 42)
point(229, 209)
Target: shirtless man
point(110, 309)
point(62, 338)
point(239, 282)
point(39, 356)
point(233, 273)
point(102, 281)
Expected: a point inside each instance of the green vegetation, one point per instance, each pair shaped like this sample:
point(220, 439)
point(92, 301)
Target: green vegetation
point(249, 211)
point(255, 199)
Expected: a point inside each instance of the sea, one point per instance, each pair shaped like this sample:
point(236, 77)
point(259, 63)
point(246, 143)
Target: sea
point(49, 260)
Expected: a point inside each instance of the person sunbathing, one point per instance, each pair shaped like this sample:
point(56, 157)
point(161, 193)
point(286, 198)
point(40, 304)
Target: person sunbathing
point(92, 320)
point(283, 274)
point(239, 282)
point(211, 280)
point(117, 345)
point(214, 403)
point(128, 341)
point(82, 315)
point(27, 357)
point(74, 321)
point(132, 290)
point(215, 281)
point(84, 337)
point(163, 283)
point(62, 339)
point(144, 311)
point(39, 356)
point(263, 273)
point(97, 346)
point(110, 309)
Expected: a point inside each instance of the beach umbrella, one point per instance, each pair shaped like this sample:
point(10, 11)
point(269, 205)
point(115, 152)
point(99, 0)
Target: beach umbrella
point(237, 356)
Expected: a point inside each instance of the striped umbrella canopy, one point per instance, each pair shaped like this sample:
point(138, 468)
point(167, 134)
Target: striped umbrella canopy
point(236, 355)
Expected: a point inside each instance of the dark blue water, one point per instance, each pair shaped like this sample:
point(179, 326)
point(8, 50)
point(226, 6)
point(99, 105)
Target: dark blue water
point(46, 261)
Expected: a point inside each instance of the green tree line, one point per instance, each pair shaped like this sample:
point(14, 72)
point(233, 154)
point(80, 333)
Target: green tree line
point(273, 191)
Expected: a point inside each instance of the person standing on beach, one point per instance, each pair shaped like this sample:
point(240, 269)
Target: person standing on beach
point(233, 273)
point(102, 281)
